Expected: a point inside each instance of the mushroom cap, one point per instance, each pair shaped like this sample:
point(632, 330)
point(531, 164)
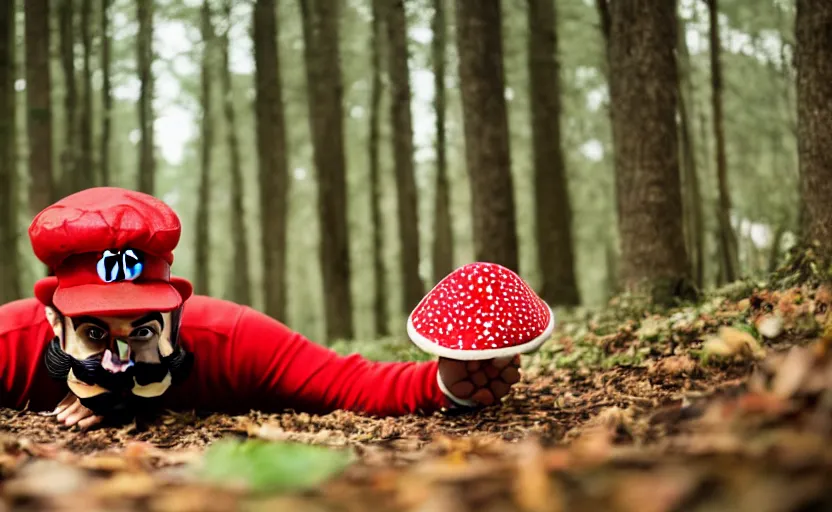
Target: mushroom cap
point(480, 311)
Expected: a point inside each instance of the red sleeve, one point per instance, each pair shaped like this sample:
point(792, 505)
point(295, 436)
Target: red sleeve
point(273, 364)
point(24, 381)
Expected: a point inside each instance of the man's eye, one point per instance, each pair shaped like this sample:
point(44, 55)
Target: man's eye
point(96, 334)
point(143, 333)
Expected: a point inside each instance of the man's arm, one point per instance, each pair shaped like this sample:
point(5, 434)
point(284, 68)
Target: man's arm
point(272, 365)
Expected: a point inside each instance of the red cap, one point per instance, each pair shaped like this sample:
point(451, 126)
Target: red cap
point(480, 311)
point(111, 250)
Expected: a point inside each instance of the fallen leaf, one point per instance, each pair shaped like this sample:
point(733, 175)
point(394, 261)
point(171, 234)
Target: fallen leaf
point(533, 489)
point(792, 372)
point(672, 365)
point(124, 486)
point(769, 326)
point(731, 341)
point(271, 466)
point(43, 478)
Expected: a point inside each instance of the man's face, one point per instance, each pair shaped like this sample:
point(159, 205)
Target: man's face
point(116, 362)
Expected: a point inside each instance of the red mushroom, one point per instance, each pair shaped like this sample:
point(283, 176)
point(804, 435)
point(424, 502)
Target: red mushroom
point(480, 311)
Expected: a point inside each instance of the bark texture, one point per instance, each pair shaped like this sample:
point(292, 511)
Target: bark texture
point(106, 94)
point(85, 166)
point(642, 65)
point(376, 89)
point(813, 28)
point(553, 211)
point(144, 53)
point(202, 283)
point(272, 159)
point(9, 259)
point(320, 19)
point(487, 151)
point(728, 249)
point(402, 127)
point(39, 105)
point(70, 180)
point(240, 278)
point(443, 241)
point(694, 219)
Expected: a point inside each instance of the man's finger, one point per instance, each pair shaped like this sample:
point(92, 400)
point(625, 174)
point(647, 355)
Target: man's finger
point(86, 423)
point(66, 402)
point(80, 414)
point(63, 415)
point(473, 366)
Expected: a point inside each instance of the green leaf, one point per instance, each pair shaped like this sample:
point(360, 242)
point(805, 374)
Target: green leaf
point(270, 466)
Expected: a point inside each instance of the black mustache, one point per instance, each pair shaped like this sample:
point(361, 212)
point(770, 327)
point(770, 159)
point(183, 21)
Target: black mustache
point(118, 409)
point(117, 400)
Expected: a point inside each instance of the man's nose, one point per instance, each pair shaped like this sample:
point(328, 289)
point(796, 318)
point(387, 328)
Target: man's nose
point(121, 350)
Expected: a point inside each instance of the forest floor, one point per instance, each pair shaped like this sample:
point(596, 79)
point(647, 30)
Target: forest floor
point(724, 405)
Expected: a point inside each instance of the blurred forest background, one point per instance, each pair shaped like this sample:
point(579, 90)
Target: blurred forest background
point(331, 160)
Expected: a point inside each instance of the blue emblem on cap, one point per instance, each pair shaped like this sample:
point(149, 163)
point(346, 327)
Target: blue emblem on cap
point(117, 265)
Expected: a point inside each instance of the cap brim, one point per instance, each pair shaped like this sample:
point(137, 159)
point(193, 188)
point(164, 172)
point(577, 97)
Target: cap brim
point(114, 299)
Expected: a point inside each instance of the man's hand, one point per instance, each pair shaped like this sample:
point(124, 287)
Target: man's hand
point(70, 412)
point(481, 382)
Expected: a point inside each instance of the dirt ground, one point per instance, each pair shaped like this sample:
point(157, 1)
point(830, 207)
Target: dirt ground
point(720, 407)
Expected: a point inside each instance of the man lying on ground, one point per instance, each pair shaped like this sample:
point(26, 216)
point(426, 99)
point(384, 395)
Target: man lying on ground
point(111, 334)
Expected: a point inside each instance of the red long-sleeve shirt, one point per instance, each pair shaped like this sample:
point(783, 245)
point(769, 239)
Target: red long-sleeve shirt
point(243, 360)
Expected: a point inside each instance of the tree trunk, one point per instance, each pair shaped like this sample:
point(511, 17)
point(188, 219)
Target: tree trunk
point(728, 249)
point(553, 212)
point(144, 47)
point(642, 64)
point(443, 242)
point(9, 260)
point(85, 161)
point(380, 279)
point(324, 84)
point(774, 250)
point(202, 260)
point(402, 128)
point(694, 219)
point(272, 159)
point(70, 180)
point(813, 28)
point(487, 151)
point(106, 95)
point(39, 105)
point(239, 277)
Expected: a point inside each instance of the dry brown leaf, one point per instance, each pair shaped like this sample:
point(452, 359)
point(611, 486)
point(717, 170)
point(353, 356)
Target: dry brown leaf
point(534, 490)
point(792, 372)
point(652, 492)
point(124, 486)
point(43, 478)
point(769, 326)
point(193, 499)
point(672, 365)
point(733, 342)
point(111, 463)
point(442, 499)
